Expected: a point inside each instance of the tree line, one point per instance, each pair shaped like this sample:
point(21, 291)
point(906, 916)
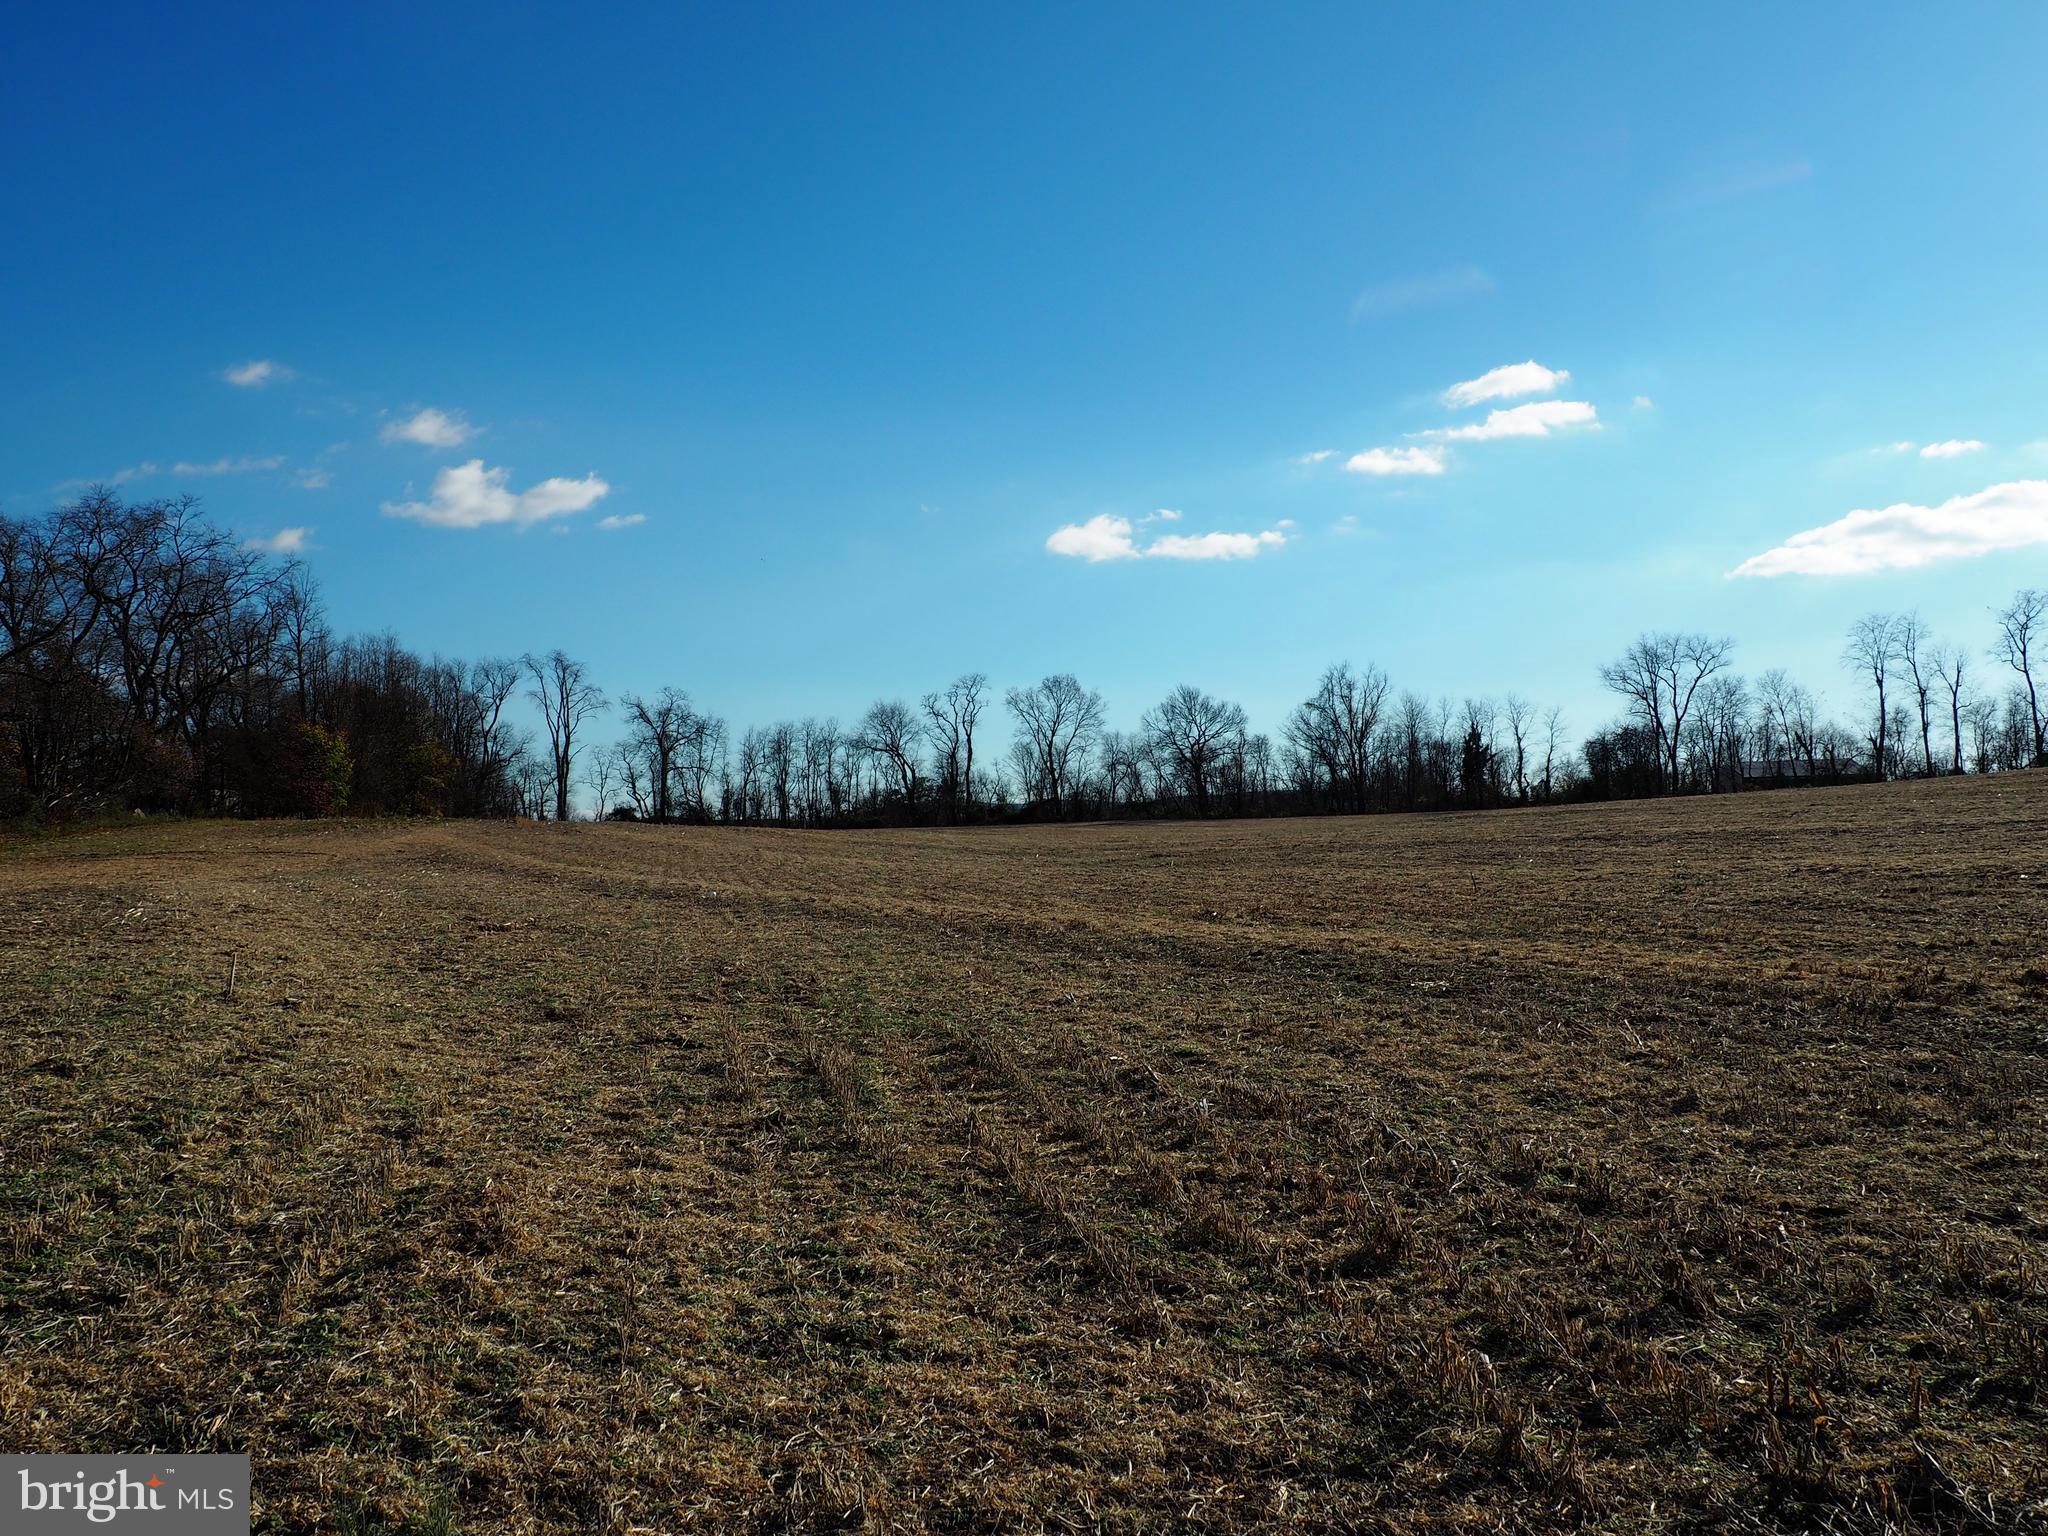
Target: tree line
point(148, 661)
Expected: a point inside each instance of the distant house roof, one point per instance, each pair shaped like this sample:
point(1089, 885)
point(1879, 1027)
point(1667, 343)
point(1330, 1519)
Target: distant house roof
point(1778, 768)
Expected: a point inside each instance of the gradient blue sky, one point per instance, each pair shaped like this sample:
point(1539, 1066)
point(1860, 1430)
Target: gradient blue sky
point(851, 309)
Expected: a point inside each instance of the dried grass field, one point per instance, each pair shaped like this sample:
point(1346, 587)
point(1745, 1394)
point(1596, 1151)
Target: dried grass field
point(1649, 1167)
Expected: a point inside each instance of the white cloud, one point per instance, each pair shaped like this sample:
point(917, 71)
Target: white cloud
point(1536, 419)
point(224, 466)
point(1445, 287)
point(471, 496)
point(1902, 446)
point(430, 428)
point(257, 373)
point(1397, 461)
point(286, 541)
point(1167, 515)
point(1213, 546)
point(1101, 538)
point(1317, 457)
point(615, 522)
point(1954, 448)
point(1345, 525)
point(2009, 516)
point(1106, 537)
point(1506, 383)
point(315, 478)
point(1644, 403)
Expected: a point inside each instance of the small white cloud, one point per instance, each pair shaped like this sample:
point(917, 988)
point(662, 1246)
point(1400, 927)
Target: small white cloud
point(471, 496)
point(314, 478)
point(430, 428)
point(1427, 292)
point(1317, 457)
point(1107, 537)
point(1539, 418)
point(1644, 403)
point(1954, 448)
point(1345, 526)
point(615, 522)
point(1212, 546)
point(242, 466)
point(1902, 446)
point(1397, 461)
point(142, 471)
point(1506, 382)
point(286, 541)
point(1900, 537)
point(257, 373)
point(1167, 515)
point(1102, 537)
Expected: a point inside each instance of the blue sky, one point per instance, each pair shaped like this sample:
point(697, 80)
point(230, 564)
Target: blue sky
point(845, 313)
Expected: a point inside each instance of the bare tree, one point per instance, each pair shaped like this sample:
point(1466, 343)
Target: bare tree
point(1981, 713)
point(1060, 721)
point(1692, 660)
point(37, 603)
point(950, 719)
point(600, 773)
point(1519, 713)
point(1659, 675)
point(1638, 677)
point(1553, 739)
point(1191, 732)
point(490, 686)
point(566, 696)
point(1948, 663)
point(1776, 704)
point(1874, 648)
point(890, 734)
point(2020, 626)
point(1479, 754)
point(745, 793)
point(659, 731)
point(1334, 728)
point(1917, 652)
point(782, 766)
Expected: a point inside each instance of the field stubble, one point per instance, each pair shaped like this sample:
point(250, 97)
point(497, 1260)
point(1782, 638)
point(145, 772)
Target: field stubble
point(1634, 1168)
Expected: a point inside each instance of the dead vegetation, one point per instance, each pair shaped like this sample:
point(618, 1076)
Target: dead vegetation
point(1639, 1168)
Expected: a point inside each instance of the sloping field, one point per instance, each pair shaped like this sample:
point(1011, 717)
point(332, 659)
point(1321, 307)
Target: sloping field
point(1636, 1168)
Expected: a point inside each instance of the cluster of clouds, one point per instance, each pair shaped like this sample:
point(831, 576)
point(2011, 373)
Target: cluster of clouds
point(1425, 453)
point(468, 495)
point(1109, 537)
point(1519, 401)
point(471, 495)
point(186, 469)
point(1951, 448)
point(1907, 534)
